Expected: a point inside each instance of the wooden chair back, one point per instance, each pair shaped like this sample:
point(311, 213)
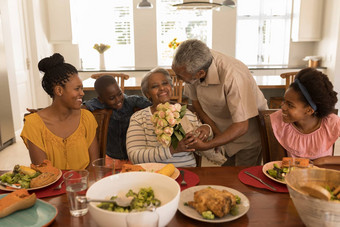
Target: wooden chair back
point(103, 118)
point(271, 148)
point(178, 87)
point(290, 76)
point(120, 78)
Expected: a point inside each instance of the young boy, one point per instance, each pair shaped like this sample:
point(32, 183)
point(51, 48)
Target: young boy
point(110, 96)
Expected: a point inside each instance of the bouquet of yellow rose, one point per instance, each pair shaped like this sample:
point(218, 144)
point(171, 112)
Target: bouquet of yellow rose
point(174, 44)
point(101, 48)
point(167, 124)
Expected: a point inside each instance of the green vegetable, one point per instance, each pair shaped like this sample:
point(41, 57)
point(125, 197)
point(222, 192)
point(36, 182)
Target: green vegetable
point(234, 210)
point(272, 172)
point(238, 199)
point(141, 200)
point(208, 215)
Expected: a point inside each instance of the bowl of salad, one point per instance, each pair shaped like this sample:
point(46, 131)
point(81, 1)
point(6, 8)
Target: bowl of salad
point(147, 189)
point(315, 211)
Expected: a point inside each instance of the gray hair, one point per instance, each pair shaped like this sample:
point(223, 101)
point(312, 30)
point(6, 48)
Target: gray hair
point(194, 55)
point(145, 80)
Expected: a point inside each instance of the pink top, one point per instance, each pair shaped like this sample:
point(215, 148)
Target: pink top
point(313, 145)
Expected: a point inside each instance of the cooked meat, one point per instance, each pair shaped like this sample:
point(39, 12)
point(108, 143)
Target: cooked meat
point(46, 166)
point(131, 168)
point(43, 179)
point(218, 202)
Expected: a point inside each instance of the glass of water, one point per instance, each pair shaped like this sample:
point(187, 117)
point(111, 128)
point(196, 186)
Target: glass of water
point(76, 182)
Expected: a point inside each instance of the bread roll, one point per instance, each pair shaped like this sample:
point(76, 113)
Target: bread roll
point(17, 200)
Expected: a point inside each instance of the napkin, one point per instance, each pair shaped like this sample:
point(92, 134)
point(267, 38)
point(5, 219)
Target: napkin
point(257, 171)
point(191, 178)
point(46, 191)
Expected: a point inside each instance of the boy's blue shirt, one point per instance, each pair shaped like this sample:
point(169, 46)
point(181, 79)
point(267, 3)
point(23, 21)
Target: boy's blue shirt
point(119, 123)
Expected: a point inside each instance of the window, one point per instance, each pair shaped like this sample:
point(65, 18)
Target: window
point(109, 22)
point(180, 24)
point(267, 22)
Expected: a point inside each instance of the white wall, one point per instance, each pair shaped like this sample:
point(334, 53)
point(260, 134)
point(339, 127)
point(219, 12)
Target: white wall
point(329, 46)
point(39, 47)
point(145, 36)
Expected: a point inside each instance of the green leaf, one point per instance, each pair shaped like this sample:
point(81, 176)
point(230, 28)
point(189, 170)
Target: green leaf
point(174, 141)
point(178, 135)
point(183, 110)
point(181, 129)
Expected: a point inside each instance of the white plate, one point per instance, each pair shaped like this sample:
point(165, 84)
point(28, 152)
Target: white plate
point(270, 165)
point(40, 214)
point(43, 186)
point(153, 167)
point(188, 195)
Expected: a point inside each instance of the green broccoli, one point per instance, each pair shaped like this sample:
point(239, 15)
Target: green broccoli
point(208, 215)
point(238, 199)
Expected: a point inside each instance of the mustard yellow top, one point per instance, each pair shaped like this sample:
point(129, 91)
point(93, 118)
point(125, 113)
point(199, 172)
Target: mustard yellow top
point(69, 153)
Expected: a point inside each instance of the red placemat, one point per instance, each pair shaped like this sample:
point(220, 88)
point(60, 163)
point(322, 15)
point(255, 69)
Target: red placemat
point(47, 191)
point(257, 171)
point(191, 178)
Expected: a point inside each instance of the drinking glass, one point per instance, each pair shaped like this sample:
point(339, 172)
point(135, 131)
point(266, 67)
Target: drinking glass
point(103, 168)
point(76, 182)
point(142, 219)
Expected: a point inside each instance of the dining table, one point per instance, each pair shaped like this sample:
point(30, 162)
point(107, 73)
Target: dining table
point(267, 208)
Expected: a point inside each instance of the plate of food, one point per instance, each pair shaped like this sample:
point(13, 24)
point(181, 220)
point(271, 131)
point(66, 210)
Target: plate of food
point(166, 169)
point(191, 199)
point(277, 170)
point(31, 178)
point(26, 211)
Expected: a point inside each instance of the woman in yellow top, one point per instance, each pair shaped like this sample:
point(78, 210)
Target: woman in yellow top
point(63, 133)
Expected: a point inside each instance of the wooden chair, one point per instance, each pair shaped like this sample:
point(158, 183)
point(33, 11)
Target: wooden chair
point(178, 87)
point(271, 148)
point(275, 102)
point(290, 76)
point(120, 78)
point(103, 118)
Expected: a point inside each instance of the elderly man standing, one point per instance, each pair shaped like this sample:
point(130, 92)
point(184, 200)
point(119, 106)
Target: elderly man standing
point(226, 96)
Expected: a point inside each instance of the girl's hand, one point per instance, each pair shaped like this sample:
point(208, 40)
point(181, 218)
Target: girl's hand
point(203, 132)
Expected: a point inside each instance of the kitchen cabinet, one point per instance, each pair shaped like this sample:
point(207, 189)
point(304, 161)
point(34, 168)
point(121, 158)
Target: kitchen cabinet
point(307, 20)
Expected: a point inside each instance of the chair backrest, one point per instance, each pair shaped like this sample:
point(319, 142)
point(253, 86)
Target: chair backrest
point(103, 118)
point(271, 148)
point(178, 87)
point(120, 78)
point(289, 78)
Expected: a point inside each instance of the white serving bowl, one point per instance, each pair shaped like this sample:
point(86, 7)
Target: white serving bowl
point(165, 188)
point(313, 211)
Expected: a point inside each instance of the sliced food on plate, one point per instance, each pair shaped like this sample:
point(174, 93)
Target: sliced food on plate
point(33, 177)
point(17, 200)
point(166, 169)
point(211, 202)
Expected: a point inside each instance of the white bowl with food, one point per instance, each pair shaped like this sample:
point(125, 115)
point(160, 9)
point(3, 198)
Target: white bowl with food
point(165, 189)
point(304, 185)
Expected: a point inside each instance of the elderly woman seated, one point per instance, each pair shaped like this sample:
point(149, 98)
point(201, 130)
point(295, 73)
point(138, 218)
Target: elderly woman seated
point(141, 142)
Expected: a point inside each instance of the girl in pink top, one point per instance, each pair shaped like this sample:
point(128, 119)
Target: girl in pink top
point(306, 125)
